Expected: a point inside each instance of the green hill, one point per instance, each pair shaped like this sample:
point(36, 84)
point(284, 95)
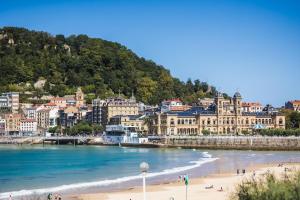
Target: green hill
point(98, 66)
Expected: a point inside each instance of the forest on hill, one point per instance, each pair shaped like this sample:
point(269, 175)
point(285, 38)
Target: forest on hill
point(102, 68)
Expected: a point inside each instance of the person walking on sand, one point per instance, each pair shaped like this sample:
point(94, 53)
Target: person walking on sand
point(237, 171)
point(10, 197)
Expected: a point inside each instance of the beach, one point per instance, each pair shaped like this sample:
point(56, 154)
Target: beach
point(196, 188)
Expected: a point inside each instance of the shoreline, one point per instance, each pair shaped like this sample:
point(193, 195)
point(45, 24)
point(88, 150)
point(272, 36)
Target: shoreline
point(167, 189)
point(258, 143)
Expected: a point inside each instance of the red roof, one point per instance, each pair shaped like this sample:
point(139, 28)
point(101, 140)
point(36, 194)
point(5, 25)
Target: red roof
point(245, 104)
point(50, 104)
point(175, 99)
point(296, 102)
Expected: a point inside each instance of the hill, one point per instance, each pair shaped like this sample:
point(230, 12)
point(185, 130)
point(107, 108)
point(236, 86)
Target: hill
point(98, 66)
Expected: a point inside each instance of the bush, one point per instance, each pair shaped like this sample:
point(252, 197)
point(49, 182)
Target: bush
point(279, 132)
point(269, 187)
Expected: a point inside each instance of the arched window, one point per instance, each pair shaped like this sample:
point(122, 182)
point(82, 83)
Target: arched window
point(280, 121)
point(178, 121)
point(182, 121)
point(190, 121)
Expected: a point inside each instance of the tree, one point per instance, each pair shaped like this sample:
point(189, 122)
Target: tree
point(146, 89)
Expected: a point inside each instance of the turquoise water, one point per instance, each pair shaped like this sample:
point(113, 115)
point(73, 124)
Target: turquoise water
point(62, 168)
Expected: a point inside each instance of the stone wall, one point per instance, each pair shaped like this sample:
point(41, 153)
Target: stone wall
point(233, 142)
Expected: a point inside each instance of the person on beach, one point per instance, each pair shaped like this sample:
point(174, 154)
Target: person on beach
point(10, 197)
point(221, 189)
point(49, 197)
point(209, 187)
point(244, 171)
point(237, 171)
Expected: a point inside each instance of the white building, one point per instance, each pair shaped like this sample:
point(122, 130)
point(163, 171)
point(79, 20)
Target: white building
point(252, 107)
point(28, 126)
point(174, 105)
point(53, 117)
point(13, 100)
point(30, 113)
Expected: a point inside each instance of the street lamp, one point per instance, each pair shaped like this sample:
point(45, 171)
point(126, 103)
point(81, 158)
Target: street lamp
point(144, 168)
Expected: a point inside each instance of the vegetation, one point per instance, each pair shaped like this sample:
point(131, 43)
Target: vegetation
point(100, 67)
point(292, 119)
point(269, 187)
point(84, 128)
point(279, 132)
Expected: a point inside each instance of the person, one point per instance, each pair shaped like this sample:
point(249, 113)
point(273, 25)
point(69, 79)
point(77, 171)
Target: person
point(10, 197)
point(237, 171)
point(221, 189)
point(254, 173)
point(209, 187)
point(49, 196)
point(244, 171)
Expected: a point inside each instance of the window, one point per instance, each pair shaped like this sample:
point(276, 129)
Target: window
point(172, 121)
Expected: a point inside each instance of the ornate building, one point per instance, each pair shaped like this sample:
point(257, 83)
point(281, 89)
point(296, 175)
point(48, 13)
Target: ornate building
point(224, 116)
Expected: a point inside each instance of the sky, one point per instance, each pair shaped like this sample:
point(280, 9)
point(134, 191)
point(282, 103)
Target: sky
point(236, 45)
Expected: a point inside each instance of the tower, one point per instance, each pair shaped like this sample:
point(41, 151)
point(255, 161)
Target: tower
point(79, 97)
point(237, 101)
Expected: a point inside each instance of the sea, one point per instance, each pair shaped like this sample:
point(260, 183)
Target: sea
point(38, 170)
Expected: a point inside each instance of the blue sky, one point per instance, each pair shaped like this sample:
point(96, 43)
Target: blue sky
point(250, 46)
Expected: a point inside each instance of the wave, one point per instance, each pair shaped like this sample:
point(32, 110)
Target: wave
point(206, 159)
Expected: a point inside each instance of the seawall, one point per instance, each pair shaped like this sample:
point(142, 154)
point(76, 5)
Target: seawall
point(233, 142)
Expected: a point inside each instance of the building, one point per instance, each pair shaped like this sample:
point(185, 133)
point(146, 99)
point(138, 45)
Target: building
point(225, 116)
point(69, 116)
point(173, 105)
point(28, 127)
point(252, 107)
point(42, 116)
point(293, 105)
point(9, 102)
point(53, 117)
point(2, 126)
point(69, 100)
point(97, 105)
point(137, 121)
point(30, 113)
point(104, 110)
point(13, 101)
point(205, 102)
point(12, 123)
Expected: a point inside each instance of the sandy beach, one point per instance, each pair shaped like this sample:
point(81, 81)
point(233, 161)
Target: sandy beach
point(196, 189)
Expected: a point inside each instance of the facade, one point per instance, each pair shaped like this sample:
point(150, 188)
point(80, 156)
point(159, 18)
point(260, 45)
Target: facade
point(173, 105)
point(225, 116)
point(43, 119)
point(2, 126)
point(28, 126)
point(12, 123)
point(4, 105)
point(104, 110)
point(69, 116)
point(97, 105)
point(252, 107)
point(30, 113)
point(293, 105)
point(136, 121)
point(13, 100)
